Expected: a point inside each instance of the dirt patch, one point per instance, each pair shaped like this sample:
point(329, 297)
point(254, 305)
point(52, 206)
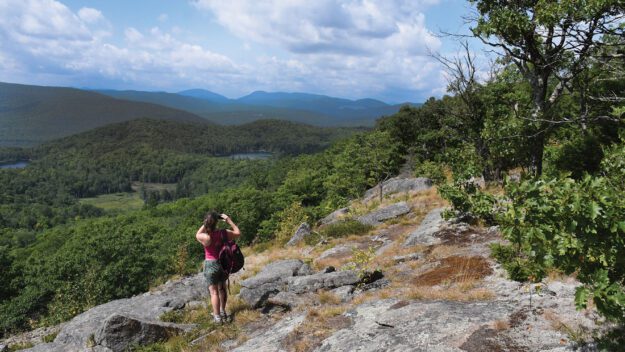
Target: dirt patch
point(487, 339)
point(455, 269)
point(518, 318)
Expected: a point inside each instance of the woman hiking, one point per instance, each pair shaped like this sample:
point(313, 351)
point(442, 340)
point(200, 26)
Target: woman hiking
point(212, 240)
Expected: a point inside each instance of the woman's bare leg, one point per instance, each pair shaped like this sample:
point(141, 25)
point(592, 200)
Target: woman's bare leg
point(215, 301)
point(223, 297)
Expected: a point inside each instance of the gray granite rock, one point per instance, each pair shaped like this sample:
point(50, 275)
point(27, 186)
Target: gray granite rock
point(300, 234)
point(312, 283)
point(272, 338)
point(392, 325)
point(424, 234)
point(270, 280)
point(338, 251)
point(343, 292)
point(406, 258)
point(385, 213)
point(78, 333)
point(118, 332)
point(285, 299)
point(398, 185)
point(334, 217)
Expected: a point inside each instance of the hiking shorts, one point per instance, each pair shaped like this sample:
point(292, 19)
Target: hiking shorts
point(213, 273)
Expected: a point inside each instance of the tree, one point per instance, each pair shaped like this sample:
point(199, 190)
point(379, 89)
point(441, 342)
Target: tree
point(551, 43)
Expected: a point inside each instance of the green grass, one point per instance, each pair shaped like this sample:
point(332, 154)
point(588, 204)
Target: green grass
point(115, 201)
point(136, 186)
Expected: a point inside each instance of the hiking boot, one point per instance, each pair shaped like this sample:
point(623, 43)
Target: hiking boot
point(218, 320)
point(226, 318)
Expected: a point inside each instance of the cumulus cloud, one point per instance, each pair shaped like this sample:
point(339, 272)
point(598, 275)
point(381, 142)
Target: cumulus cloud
point(44, 37)
point(351, 48)
point(343, 47)
point(357, 27)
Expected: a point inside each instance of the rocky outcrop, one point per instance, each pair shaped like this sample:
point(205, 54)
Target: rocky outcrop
point(300, 234)
point(271, 340)
point(334, 217)
point(393, 325)
point(119, 332)
point(312, 283)
point(79, 333)
point(270, 280)
point(281, 282)
point(398, 185)
point(424, 234)
point(385, 213)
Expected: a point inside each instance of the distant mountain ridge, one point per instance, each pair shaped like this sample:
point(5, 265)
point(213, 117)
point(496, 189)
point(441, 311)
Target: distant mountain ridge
point(315, 109)
point(30, 114)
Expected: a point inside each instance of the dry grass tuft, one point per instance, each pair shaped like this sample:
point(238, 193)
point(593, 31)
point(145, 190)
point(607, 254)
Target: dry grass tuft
point(455, 269)
point(327, 297)
point(317, 326)
point(500, 325)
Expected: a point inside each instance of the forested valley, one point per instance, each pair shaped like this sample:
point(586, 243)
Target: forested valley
point(544, 130)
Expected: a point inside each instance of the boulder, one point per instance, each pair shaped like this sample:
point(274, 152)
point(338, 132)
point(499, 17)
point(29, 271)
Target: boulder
point(302, 231)
point(343, 292)
point(406, 258)
point(270, 280)
point(334, 217)
point(290, 300)
point(389, 212)
point(338, 251)
point(119, 332)
point(424, 234)
point(149, 306)
point(312, 283)
point(398, 185)
point(271, 339)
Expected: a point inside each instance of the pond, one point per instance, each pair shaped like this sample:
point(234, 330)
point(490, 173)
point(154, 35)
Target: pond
point(16, 165)
point(251, 156)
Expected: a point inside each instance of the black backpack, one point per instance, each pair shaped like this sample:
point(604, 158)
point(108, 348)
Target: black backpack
point(230, 256)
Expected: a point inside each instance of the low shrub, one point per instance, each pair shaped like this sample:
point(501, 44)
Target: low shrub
point(345, 228)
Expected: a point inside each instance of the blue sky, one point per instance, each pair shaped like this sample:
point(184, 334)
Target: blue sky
point(346, 48)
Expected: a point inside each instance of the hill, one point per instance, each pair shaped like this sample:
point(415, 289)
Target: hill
point(30, 114)
point(314, 109)
point(222, 111)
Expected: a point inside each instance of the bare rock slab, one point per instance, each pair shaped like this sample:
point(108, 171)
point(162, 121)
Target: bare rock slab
point(392, 325)
point(385, 213)
point(300, 234)
point(263, 341)
point(270, 280)
point(424, 234)
point(398, 185)
point(312, 283)
point(119, 332)
point(334, 217)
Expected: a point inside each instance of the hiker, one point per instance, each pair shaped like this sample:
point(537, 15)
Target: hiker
point(212, 240)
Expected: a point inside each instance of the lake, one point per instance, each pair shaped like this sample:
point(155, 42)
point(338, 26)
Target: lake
point(17, 165)
point(251, 156)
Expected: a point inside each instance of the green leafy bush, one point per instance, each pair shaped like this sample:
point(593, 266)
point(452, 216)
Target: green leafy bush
point(345, 228)
point(574, 226)
point(431, 170)
point(468, 201)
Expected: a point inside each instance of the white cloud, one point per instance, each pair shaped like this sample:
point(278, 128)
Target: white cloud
point(349, 27)
point(356, 48)
point(90, 15)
